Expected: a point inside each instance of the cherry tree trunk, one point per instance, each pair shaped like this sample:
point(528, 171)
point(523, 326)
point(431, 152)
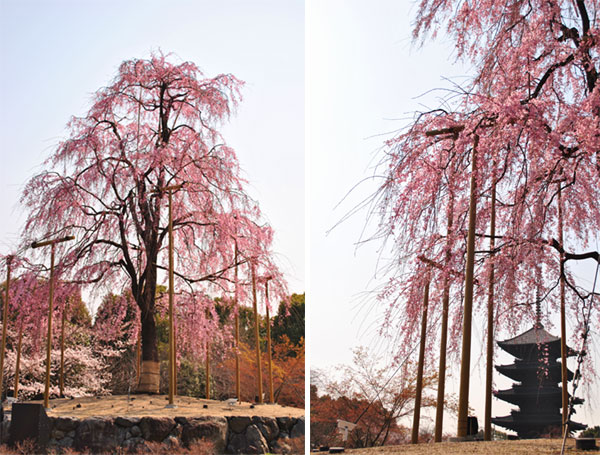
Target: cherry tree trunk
point(145, 296)
point(150, 372)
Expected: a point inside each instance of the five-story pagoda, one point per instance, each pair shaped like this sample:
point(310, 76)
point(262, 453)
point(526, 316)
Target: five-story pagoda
point(537, 392)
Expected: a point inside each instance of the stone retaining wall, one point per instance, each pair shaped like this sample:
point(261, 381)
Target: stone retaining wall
point(228, 434)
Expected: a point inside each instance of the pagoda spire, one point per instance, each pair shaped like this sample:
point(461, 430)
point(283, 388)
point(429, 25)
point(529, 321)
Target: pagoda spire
point(538, 299)
point(538, 311)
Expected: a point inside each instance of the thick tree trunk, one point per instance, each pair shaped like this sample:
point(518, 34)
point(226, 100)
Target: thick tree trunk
point(150, 373)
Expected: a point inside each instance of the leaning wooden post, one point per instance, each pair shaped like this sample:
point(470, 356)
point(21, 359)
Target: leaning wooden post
point(465, 365)
point(257, 335)
point(270, 357)
point(62, 349)
point(237, 329)
point(563, 325)
point(5, 323)
point(52, 244)
point(439, 410)
point(487, 434)
point(419, 389)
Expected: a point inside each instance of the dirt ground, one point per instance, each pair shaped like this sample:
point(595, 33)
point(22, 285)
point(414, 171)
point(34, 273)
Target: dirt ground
point(154, 405)
point(521, 447)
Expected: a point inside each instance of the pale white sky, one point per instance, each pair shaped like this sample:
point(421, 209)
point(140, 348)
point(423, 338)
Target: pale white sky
point(55, 54)
point(364, 79)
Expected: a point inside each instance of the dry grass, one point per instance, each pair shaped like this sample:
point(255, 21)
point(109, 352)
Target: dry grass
point(154, 405)
point(521, 447)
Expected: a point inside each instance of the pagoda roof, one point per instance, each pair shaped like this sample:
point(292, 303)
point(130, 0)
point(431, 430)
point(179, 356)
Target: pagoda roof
point(515, 423)
point(527, 344)
point(518, 394)
point(536, 335)
point(518, 371)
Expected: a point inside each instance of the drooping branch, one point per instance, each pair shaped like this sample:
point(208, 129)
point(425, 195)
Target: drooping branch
point(573, 256)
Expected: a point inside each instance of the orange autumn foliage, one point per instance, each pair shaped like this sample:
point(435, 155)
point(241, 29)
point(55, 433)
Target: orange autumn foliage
point(288, 373)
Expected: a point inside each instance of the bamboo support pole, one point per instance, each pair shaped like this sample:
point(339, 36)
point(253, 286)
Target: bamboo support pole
point(487, 434)
point(5, 323)
point(257, 337)
point(439, 411)
point(463, 398)
point(419, 389)
point(269, 349)
point(52, 244)
point(563, 325)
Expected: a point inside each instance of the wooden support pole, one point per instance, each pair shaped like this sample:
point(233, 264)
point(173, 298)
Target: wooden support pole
point(174, 359)
point(563, 324)
point(18, 362)
point(49, 342)
point(465, 365)
point(52, 244)
point(439, 410)
point(171, 331)
point(139, 357)
point(62, 350)
point(487, 433)
point(269, 349)
point(5, 323)
point(172, 385)
point(419, 389)
point(237, 330)
point(257, 337)
point(207, 371)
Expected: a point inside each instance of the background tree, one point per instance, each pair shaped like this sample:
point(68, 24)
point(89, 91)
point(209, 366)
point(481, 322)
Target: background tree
point(85, 362)
point(368, 394)
point(155, 125)
point(289, 320)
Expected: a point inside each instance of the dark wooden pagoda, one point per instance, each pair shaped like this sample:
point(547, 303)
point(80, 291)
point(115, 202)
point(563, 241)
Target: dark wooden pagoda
point(537, 392)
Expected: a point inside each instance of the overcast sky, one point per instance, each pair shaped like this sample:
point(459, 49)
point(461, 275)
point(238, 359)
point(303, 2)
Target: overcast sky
point(365, 78)
point(55, 54)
